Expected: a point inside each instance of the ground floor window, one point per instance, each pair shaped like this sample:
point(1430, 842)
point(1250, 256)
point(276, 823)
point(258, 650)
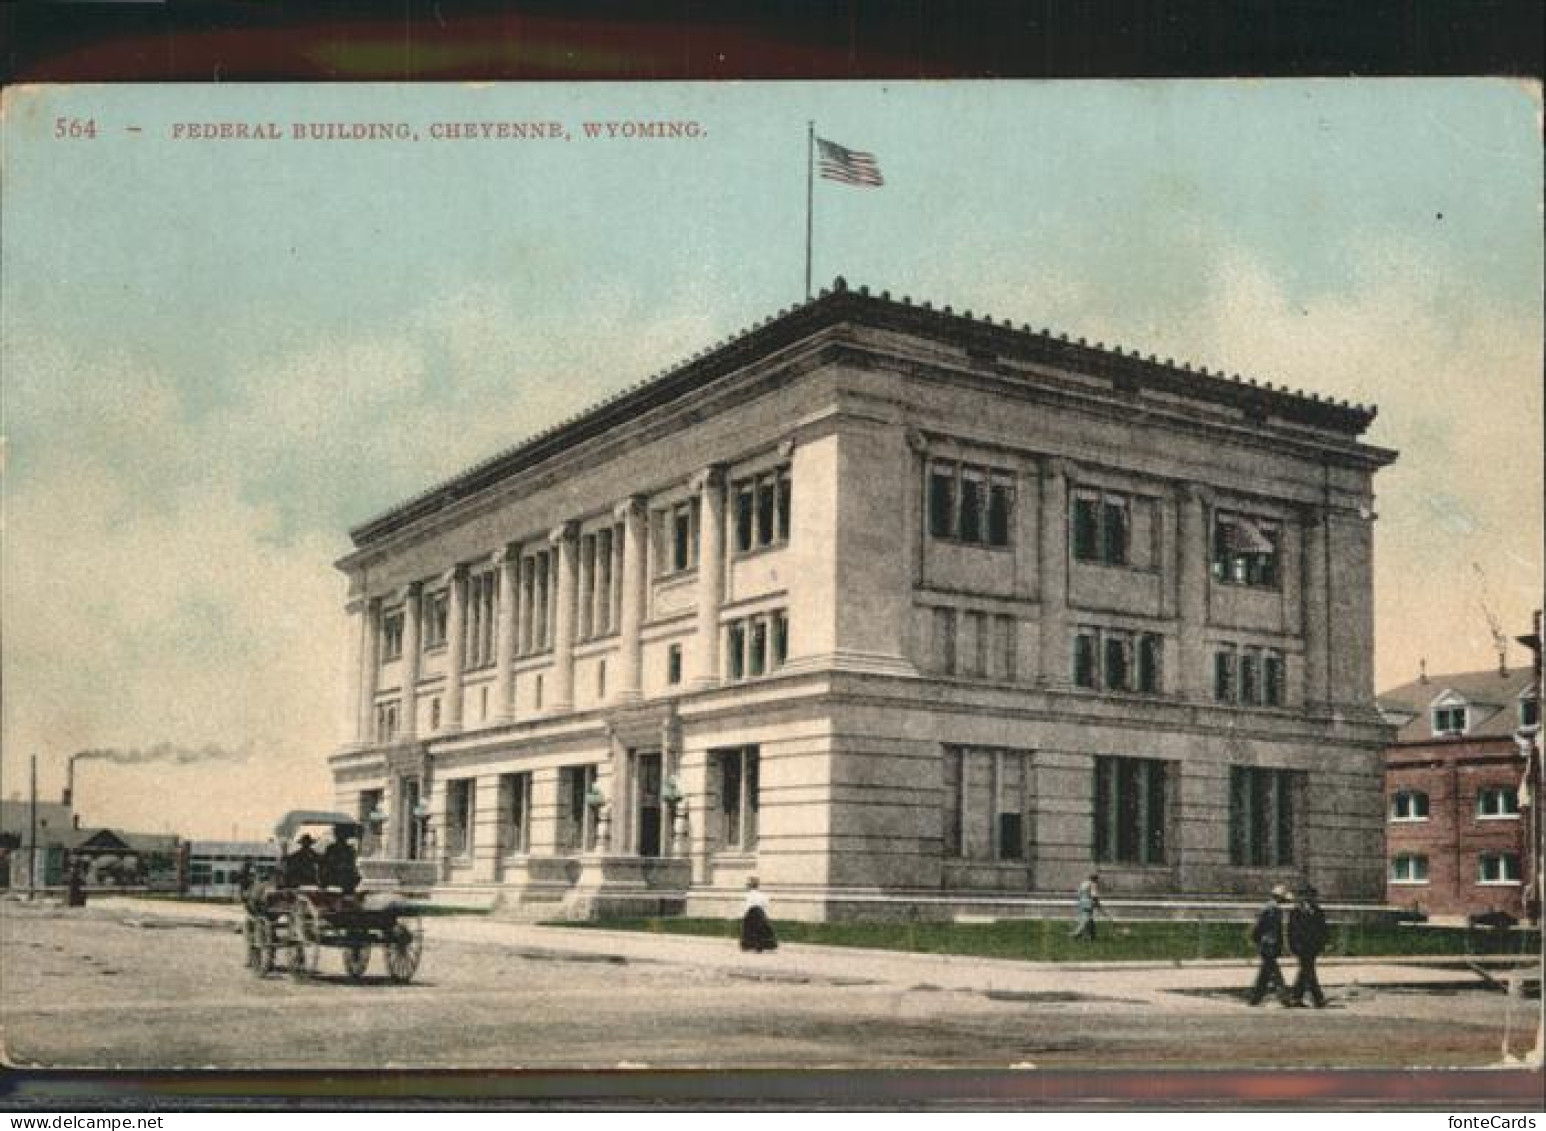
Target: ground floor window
point(736, 773)
point(1497, 868)
point(1262, 816)
point(986, 794)
point(576, 814)
point(1130, 810)
point(459, 795)
point(514, 814)
point(1409, 869)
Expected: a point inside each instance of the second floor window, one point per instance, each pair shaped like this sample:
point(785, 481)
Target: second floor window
point(970, 504)
point(676, 546)
point(1497, 868)
point(1409, 869)
point(1409, 805)
point(536, 619)
point(1102, 529)
point(1113, 659)
point(386, 721)
point(1497, 801)
point(1245, 550)
point(756, 645)
point(1250, 676)
point(435, 614)
point(392, 636)
point(762, 510)
point(478, 634)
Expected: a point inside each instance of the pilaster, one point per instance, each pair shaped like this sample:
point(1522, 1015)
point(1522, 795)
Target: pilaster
point(631, 514)
point(565, 541)
point(710, 485)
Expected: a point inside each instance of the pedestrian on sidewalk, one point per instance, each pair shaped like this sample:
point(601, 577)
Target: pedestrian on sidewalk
point(1307, 935)
point(756, 931)
point(1267, 934)
point(1088, 901)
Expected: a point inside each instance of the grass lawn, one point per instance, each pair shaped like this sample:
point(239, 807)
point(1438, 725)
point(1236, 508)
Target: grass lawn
point(1047, 940)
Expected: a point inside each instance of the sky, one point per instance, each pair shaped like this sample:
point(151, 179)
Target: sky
point(216, 356)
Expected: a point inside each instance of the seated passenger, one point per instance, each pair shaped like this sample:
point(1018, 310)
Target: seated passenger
point(302, 868)
point(338, 863)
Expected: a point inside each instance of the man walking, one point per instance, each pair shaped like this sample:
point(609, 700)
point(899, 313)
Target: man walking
point(1307, 938)
point(1267, 934)
point(1088, 903)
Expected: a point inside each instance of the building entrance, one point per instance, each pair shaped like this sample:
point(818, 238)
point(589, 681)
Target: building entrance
point(648, 811)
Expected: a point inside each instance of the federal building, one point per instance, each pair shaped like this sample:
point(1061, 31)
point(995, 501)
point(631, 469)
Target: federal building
point(907, 611)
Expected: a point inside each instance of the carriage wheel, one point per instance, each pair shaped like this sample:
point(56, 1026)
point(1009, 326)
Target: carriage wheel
point(404, 947)
point(305, 939)
point(259, 935)
point(357, 960)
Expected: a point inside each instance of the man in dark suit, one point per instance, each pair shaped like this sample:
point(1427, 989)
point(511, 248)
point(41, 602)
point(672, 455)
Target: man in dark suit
point(1267, 934)
point(1307, 935)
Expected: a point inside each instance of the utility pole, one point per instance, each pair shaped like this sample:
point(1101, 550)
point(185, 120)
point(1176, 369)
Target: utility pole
point(32, 838)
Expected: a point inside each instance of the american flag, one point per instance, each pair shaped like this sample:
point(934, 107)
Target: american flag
point(838, 163)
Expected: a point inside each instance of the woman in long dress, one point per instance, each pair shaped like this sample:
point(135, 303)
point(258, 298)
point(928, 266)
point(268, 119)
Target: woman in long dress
point(756, 931)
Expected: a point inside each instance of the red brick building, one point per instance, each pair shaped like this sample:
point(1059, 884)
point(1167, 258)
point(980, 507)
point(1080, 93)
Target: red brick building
point(1456, 838)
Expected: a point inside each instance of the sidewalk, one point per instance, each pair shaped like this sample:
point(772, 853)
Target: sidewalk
point(800, 964)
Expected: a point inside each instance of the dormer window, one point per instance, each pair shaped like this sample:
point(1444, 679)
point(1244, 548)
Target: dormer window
point(1449, 719)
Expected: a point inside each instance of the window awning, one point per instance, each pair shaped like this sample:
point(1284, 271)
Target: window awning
point(1242, 536)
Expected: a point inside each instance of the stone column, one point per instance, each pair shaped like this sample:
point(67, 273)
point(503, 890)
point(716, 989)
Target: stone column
point(354, 671)
point(412, 615)
point(630, 616)
point(370, 668)
point(508, 562)
point(710, 485)
point(1052, 587)
point(1316, 610)
point(565, 543)
point(456, 647)
point(1193, 563)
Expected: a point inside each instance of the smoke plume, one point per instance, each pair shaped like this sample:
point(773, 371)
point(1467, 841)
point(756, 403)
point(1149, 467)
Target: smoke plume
point(165, 752)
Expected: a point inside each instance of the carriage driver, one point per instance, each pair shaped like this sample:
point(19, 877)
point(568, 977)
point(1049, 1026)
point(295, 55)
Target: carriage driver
point(339, 869)
point(302, 868)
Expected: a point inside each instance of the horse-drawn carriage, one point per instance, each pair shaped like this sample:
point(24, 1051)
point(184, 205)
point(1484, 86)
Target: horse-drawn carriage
point(306, 908)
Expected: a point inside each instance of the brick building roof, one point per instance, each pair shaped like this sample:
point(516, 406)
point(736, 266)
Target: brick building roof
point(1491, 698)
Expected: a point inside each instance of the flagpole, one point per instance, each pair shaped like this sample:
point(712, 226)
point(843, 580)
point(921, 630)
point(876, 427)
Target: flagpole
point(810, 194)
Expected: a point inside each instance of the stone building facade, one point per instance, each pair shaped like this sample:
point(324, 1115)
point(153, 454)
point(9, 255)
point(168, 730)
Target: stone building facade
point(903, 610)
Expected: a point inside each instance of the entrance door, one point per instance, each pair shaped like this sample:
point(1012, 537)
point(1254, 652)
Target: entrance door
point(649, 810)
point(415, 829)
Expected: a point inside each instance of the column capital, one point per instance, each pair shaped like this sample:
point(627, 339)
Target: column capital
point(454, 574)
point(711, 476)
point(1197, 493)
point(564, 532)
point(410, 591)
point(357, 604)
point(1055, 467)
point(916, 441)
point(1312, 514)
point(786, 448)
point(508, 554)
point(631, 507)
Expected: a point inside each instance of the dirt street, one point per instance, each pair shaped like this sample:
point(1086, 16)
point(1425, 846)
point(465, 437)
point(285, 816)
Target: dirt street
point(109, 990)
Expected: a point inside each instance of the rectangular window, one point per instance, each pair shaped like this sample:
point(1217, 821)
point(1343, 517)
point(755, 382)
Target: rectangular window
point(1262, 816)
point(1250, 684)
point(1497, 868)
point(459, 797)
point(1005, 631)
point(1118, 648)
point(1409, 805)
point(944, 640)
point(433, 619)
point(514, 814)
point(1085, 672)
point(536, 625)
point(1102, 527)
point(756, 645)
point(942, 505)
point(1151, 650)
point(674, 664)
point(1130, 810)
point(392, 636)
point(1272, 678)
point(970, 503)
point(679, 543)
point(737, 773)
point(482, 600)
point(606, 544)
point(1449, 720)
point(1497, 802)
point(1529, 711)
point(762, 510)
point(1224, 675)
point(386, 721)
point(1409, 869)
point(576, 815)
point(985, 796)
point(1245, 550)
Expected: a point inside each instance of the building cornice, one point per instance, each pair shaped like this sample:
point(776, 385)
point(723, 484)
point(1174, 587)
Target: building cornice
point(996, 347)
